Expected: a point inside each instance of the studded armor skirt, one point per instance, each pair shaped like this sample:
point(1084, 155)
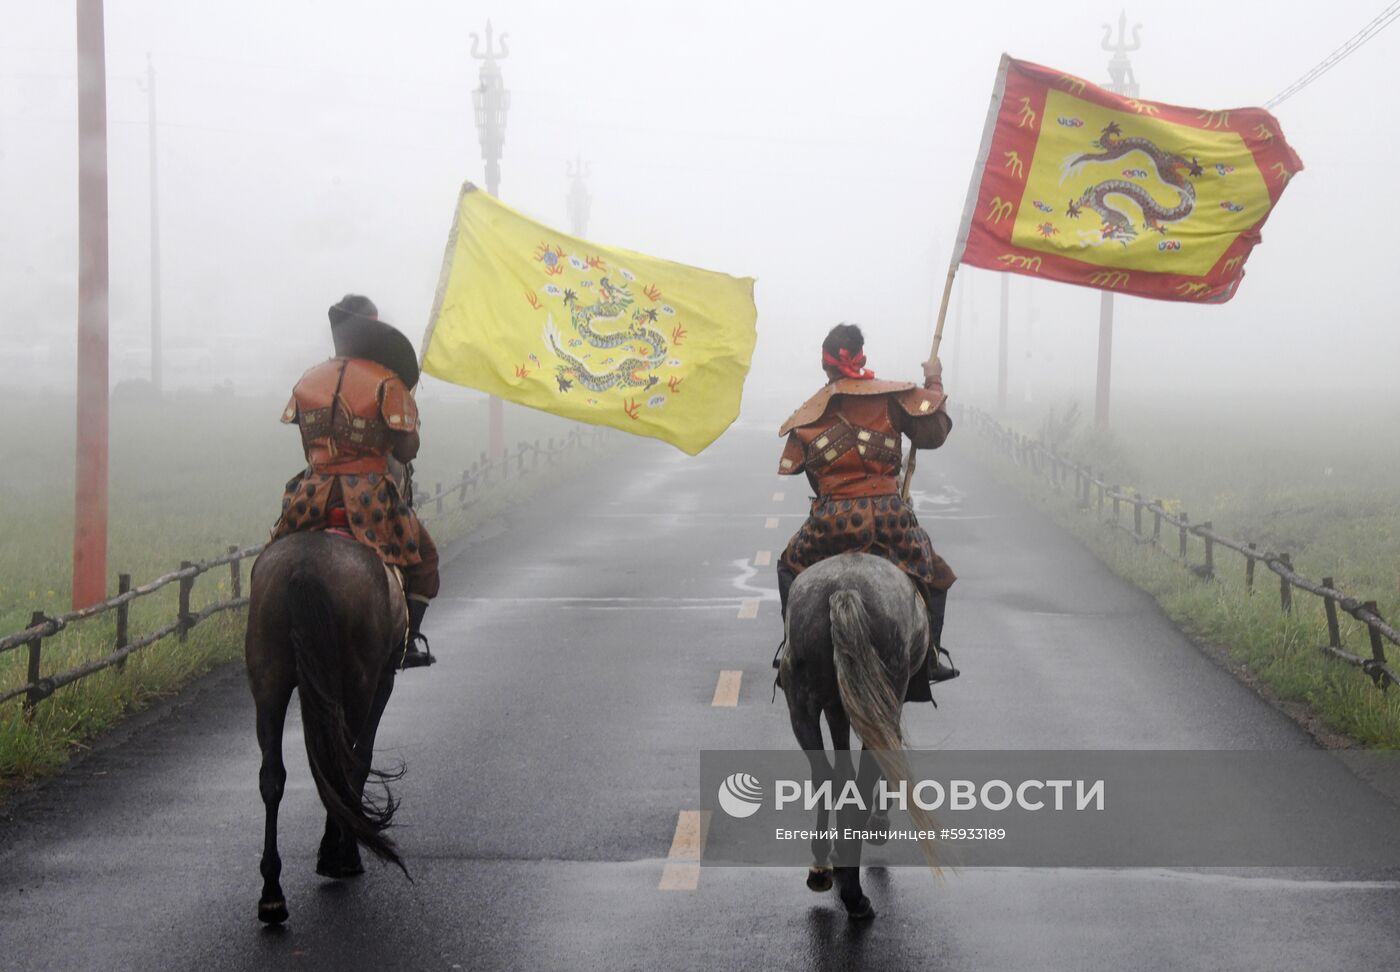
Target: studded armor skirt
point(880, 525)
point(375, 513)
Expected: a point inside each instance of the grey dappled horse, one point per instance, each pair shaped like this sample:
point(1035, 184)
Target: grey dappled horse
point(857, 632)
point(324, 617)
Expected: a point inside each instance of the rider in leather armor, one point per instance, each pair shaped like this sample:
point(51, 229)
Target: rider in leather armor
point(846, 438)
point(357, 418)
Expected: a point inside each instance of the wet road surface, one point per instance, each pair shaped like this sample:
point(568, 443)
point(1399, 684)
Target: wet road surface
point(588, 650)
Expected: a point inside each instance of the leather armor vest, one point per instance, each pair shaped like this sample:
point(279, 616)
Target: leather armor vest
point(853, 449)
point(347, 409)
point(845, 437)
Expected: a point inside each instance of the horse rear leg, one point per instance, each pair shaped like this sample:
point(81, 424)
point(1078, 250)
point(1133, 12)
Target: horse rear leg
point(848, 851)
point(807, 727)
point(339, 855)
point(272, 780)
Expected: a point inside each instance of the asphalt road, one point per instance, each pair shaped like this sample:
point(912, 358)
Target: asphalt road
point(552, 752)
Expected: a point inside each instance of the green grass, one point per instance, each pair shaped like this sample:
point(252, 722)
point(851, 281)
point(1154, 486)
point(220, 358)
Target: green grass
point(190, 476)
point(1288, 482)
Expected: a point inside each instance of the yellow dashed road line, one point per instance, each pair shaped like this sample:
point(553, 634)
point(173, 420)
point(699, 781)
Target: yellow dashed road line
point(748, 608)
point(763, 558)
point(682, 870)
point(771, 523)
point(727, 688)
point(777, 497)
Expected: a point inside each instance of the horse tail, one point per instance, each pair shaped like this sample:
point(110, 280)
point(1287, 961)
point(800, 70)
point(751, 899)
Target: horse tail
point(330, 747)
point(871, 702)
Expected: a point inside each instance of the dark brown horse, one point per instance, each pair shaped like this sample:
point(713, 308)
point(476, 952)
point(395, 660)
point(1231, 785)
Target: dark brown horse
point(857, 632)
point(325, 618)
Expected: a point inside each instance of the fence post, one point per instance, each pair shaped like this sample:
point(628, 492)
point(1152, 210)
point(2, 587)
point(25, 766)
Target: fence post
point(32, 697)
point(1157, 522)
point(1249, 569)
point(1137, 514)
point(235, 573)
point(462, 490)
point(123, 616)
point(1100, 486)
point(1115, 488)
point(437, 498)
point(1210, 551)
point(1285, 589)
point(1334, 631)
point(520, 460)
point(1377, 648)
point(1181, 537)
point(186, 585)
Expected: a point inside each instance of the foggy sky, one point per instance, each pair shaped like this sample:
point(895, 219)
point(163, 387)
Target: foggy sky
point(308, 149)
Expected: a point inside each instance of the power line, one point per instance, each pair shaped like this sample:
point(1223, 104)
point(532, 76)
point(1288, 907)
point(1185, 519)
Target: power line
point(1383, 20)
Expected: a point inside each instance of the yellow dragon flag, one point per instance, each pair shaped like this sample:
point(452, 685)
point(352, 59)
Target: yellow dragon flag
point(597, 334)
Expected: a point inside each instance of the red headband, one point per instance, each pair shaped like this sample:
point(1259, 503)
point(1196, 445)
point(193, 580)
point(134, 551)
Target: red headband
point(847, 365)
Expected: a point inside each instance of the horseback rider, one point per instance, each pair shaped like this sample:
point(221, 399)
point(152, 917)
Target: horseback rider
point(846, 438)
point(359, 423)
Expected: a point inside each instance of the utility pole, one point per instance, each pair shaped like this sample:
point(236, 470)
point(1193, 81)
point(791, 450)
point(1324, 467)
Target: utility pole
point(491, 102)
point(580, 201)
point(1120, 70)
point(1030, 342)
point(957, 322)
point(156, 350)
point(90, 494)
point(1001, 348)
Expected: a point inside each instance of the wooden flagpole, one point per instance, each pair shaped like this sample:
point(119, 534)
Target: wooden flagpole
point(964, 228)
point(933, 356)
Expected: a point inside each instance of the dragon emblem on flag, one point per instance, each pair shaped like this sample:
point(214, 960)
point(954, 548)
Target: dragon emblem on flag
point(1171, 169)
point(644, 346)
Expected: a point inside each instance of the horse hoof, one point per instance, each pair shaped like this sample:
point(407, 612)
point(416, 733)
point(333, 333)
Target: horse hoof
point(272, 912)
point(339, 869)
point(819, 879)
point(861, 910)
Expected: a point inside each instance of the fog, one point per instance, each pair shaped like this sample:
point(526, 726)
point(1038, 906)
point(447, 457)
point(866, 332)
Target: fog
point(307, 149)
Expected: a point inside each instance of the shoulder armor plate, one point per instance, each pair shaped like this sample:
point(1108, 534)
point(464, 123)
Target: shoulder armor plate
point(919, 401)
point(814, 407)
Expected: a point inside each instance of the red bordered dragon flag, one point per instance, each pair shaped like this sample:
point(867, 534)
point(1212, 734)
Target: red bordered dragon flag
point(1077, 184)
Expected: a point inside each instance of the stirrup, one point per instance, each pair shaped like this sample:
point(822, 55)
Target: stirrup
point(778, 655)
point(938, 671)
point(413, 658)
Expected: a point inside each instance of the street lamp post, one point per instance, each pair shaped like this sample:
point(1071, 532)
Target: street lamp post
point(491, 102)
point(580, 201)
point(1120, 70)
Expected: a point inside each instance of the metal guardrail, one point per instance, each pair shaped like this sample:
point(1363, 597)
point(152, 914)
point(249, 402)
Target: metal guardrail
point(480, 476)
point(1106, 500)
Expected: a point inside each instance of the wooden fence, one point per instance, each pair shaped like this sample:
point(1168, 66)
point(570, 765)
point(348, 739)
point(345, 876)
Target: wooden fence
point(1108, 502)
point(482, 475)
